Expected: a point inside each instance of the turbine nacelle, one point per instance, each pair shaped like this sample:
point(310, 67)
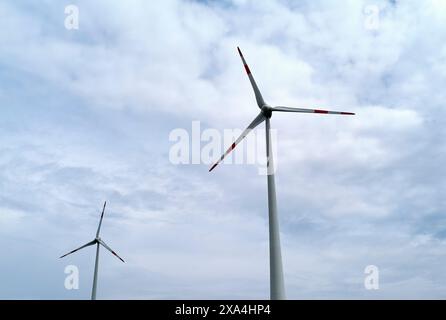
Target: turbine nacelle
point(267, 111)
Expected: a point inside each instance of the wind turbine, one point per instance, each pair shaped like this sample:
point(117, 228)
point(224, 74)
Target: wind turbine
point(277, 288)
point(97, 241)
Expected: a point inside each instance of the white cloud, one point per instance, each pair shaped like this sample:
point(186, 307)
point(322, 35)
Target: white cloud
point(86, 116)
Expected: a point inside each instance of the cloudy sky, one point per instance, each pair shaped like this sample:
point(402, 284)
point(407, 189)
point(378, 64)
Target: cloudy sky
point(86, 114)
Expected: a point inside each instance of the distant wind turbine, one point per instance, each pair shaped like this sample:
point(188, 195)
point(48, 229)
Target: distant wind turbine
point(97, 241)
point(277, 288)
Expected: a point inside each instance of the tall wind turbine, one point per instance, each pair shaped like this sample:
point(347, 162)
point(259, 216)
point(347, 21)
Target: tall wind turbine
point(97, 241)
point(277, 288)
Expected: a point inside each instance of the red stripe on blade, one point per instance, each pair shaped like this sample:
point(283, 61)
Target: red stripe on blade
point(320, 111)
point(247, 69)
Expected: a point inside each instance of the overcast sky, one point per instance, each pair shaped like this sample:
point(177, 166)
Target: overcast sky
point(85, 116)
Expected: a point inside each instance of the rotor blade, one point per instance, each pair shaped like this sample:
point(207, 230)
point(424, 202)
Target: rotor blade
point(286, 109)
point(100, 221)
point(258, 120)
point(259, 97)
point(85, 245)
point(109, 249)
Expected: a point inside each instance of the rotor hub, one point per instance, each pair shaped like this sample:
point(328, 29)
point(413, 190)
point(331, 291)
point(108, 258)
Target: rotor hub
point(267, 111)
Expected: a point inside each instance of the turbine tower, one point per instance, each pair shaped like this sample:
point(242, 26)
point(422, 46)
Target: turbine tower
point(277, 288)
point(97, 241)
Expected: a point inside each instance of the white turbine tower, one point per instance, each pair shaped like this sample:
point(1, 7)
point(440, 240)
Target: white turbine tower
point(277, 288)
point(97, 241)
